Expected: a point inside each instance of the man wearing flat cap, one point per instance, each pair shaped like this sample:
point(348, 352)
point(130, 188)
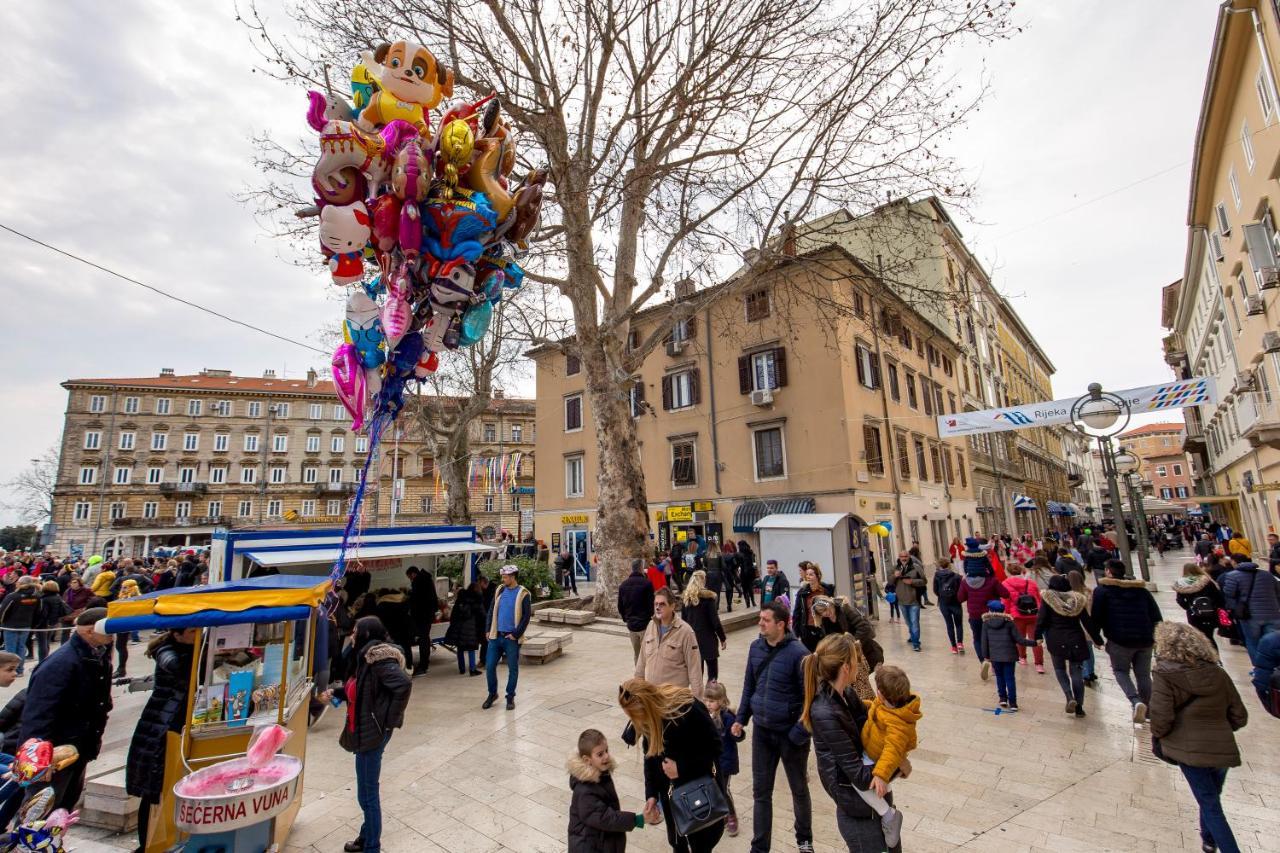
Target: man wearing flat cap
point(507, 620)
point(69, 700)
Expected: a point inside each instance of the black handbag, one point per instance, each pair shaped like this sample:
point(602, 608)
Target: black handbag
point(697, 804)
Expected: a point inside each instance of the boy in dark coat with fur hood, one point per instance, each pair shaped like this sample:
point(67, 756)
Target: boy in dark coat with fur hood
point(1000, 641)
point(597, 824)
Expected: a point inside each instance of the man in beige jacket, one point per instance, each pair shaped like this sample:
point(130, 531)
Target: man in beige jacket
point(669, 650)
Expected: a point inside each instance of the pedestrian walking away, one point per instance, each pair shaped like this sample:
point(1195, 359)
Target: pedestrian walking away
point(1195, 712)
point(669, 651)
point(865, 814)
point(1001, 641)
point(975, 591)
point(699, 611)
point(773, 696)
point(946, 588)
point(1253, 597)
point(424, 604)
point(1201, 598)
point(635, 604)
point(507, 620)
point(1023, 606)
point(466, 627)
point(1126, 615)
point(19, 613)
point(166, 711)
point(680, 746)
point(748, 572)
point(376, 696)
point(731, 565)
point(1066, 628)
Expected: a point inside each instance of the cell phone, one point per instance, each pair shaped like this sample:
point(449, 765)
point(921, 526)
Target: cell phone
point(335, 701)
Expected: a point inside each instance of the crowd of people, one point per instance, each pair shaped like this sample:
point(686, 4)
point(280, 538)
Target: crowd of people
point(816, 681)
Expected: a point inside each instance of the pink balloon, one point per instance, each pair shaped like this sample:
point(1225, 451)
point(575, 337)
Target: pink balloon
point(396, 315)
point(349, 381)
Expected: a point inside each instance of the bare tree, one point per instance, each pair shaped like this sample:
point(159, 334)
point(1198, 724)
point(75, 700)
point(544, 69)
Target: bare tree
point(685, 139)
point(33, 488)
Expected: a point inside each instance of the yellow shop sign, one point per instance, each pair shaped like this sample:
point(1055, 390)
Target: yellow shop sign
point(679, 513)
point(702, 506)
point(580, 518)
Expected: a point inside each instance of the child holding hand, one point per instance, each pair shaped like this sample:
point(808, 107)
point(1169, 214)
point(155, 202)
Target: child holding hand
point(596, 822)
point(887, 736)
point(717, 699)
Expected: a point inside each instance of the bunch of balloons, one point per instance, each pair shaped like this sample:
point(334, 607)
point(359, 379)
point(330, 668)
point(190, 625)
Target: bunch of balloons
point(423, 225)
point(880, 528)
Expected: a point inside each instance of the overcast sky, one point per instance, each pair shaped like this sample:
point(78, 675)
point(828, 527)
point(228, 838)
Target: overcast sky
point(129, 135)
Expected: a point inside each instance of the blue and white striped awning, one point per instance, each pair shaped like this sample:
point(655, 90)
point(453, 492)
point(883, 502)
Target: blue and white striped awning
point(1024, 502)
point(1056, 508)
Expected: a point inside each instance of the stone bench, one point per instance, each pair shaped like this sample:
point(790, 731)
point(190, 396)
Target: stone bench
point(566, 617)
point(544, 646)
point(107, 806)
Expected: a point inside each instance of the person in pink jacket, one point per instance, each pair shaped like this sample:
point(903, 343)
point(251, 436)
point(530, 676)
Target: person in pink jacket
point(1023, 604)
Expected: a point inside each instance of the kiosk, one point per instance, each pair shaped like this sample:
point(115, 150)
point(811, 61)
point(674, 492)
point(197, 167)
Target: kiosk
point(252, 666)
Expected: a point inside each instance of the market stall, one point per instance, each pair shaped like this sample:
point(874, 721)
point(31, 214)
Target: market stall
point(252, 667)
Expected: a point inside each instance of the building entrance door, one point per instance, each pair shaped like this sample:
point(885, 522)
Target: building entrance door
point(578, 543)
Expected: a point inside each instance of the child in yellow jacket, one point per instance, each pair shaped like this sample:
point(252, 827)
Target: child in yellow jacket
point(887, 736)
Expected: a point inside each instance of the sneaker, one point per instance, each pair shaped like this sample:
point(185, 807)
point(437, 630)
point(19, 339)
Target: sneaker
point(1040, 668)
point(804, 846)
point(1013, 709)
point(488, 703)
point(474, 672)
point(1072, 706)
point(891, 823)
point(1022, 662)
point(960, 647)
point(731, 826)
point(916, 647)
point(1004, 704)
point(1140, 713)
point(986, 670)
point(953, 650)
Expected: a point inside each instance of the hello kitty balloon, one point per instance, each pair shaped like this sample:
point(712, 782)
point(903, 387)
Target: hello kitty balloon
point(344, 232)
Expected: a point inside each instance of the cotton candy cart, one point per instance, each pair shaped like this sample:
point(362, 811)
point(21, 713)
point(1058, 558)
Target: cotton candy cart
point(252, 667)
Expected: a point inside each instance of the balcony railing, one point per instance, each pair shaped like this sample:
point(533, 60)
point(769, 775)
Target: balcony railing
point(184, 488)
point(335, 488)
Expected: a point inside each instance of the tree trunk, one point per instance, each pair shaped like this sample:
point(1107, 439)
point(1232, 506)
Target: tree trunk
point(454, 464)
point(622, 530)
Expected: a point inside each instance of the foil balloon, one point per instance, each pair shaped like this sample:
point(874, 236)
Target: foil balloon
point(343, 145)
point(363, 329)
point(410, 81)
point(349, 382)
point(344, 231)
point(396, 314)
point(475, 322)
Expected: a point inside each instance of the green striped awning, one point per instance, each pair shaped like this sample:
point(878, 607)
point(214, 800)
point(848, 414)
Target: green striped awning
point(748, 513)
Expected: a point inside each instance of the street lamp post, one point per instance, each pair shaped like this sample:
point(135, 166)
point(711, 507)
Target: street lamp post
point(1127, 465)
point(1101, 416)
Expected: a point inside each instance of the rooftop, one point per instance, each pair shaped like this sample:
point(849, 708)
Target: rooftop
point(1155, 429)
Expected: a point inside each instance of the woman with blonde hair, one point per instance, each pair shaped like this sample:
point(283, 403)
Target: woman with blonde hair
point(1194, 714)
point(1201, 597)
point(835, 715)
point(700, 612)
point(680, 745)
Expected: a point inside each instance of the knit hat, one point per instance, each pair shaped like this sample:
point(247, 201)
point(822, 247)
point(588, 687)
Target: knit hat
point(995, 606)
point(972, 543)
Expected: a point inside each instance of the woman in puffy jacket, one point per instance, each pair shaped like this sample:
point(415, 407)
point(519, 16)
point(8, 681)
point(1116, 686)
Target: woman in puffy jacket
point(1063, 623)
point(165, 712)
point(1023, 604)
point(376, 696)
point(466, 627)
point(1201, 598)
point(835, 716)
point(698, 609)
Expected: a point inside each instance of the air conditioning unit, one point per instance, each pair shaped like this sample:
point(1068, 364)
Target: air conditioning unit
point(1271, 341)
point(1253, 305)
point(762, 398)
point(675, 347)
point(1270, 277)
point(1243, 383)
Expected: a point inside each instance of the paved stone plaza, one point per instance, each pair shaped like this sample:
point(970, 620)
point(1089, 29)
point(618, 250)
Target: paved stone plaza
point(463, 780)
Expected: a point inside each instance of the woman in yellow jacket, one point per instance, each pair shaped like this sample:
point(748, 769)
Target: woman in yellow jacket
point(102, 582)
point(1239, 544)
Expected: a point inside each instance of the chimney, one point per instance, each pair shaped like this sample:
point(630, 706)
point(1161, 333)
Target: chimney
point(684, 288)
point(311, 377)
point(498, 393)
point(166, 371)
point(268, 374)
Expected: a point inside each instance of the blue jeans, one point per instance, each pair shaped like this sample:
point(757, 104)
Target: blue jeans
point(1088, 665)
point(975, 625)
point(912, 613)
point(1206, 786)
point(368, 769)
point(498, 648)
point(1006, 686)
point(952, 616)
point(15, 642)
point(1251, 631)
point(470, 657)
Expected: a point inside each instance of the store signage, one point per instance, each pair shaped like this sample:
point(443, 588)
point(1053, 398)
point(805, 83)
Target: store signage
point(578, 518)
point(883, 505)
point(1265, 487)
point(209, 815)
point(522, 490)
point(703, 506)
point(354, 563)
point(660, 515)
point(679, 513)
point(1151, 398)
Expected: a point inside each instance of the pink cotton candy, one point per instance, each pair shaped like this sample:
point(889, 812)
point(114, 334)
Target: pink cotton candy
point(266, 742)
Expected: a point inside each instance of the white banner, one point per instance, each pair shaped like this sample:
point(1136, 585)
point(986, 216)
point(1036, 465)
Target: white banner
point(1173, 395)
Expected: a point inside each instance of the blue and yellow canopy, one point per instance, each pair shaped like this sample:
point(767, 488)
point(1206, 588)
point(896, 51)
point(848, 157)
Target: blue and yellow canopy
point(273, 598)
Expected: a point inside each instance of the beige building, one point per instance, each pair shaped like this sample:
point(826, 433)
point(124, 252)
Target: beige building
point(164, 460)
point(772, 401)
point(1224, 315)
point(1165, 465)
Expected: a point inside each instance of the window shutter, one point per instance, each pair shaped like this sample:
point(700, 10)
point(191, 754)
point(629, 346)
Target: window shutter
point(692, 326)
point(780, 366)
point(1261, 254)
point(875, 370)
point(859, 354)
point(666, 393)
point(695, 386)
point(639, 386)
point(744, 374)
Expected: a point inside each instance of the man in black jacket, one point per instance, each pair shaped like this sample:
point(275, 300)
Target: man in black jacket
point(68, 702)
point(635, 605)
point(1126, 614)
point(424, 602)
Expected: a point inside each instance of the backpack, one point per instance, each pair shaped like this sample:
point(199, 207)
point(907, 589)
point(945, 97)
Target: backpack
point(690, 560)
point(1201, 611)
point(949, 587)
point(1025, 604)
